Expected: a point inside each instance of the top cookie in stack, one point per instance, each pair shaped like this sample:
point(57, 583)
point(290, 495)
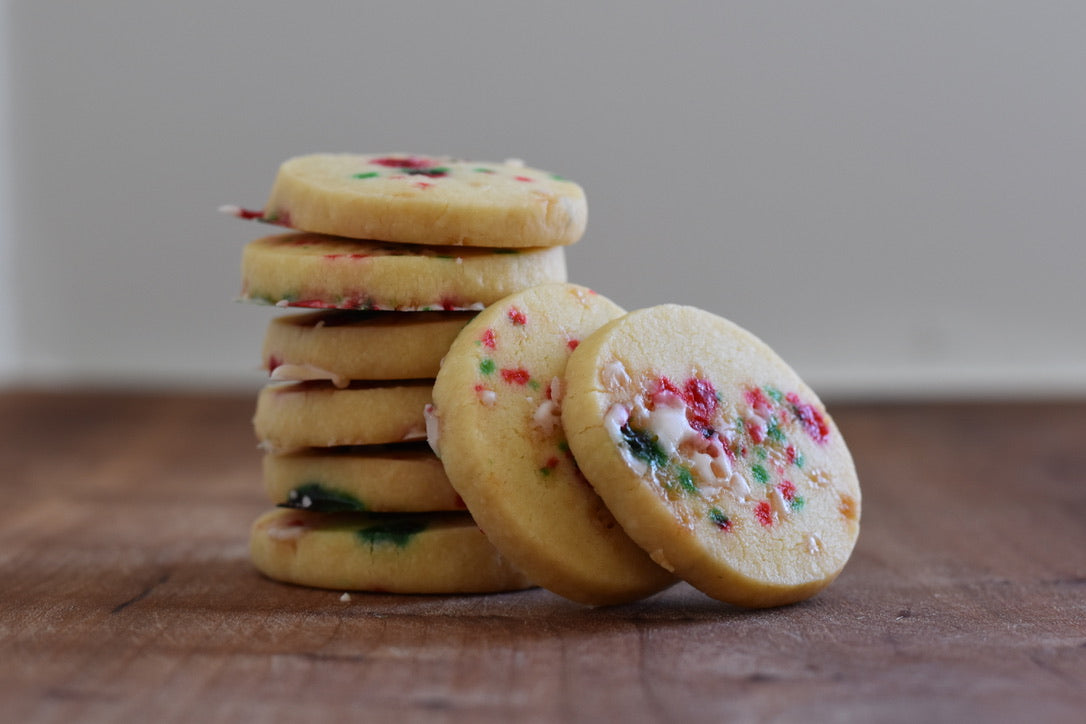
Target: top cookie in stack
point(427, 200)
point(398, 251)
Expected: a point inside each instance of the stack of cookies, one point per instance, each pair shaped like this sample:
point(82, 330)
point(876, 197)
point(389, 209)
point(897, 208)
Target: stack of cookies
point(451, 381)
point(392, 255)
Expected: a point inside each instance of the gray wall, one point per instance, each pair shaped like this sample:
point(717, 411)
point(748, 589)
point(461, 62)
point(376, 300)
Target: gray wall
point(890, 194)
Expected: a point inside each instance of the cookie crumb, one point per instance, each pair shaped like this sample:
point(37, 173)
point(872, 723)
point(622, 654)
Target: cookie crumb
point(345, 598)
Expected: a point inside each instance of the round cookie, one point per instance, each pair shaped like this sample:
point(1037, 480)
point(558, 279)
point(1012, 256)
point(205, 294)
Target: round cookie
point(426, 200)
point(398, 479)
point(495, 423)
point(410, 553)
point(298, 415)
point(324, 272)
point(713, 455)
point(341, 346)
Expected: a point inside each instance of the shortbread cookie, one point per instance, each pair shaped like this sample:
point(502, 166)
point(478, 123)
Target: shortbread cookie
point(426, 200)
point(495, 423)
point(297, 415)
point(713, 455)
point(410, 553)
point(342, 346)
point(324, 272)
point(398, 479)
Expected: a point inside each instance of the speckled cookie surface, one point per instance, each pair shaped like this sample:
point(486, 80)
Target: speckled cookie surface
point(296, 415)
point(341, 346)
point(713, 455)
point(422, 553)
point(398, 479)
point(496, 425)
point(427, 200)
point(324, 272)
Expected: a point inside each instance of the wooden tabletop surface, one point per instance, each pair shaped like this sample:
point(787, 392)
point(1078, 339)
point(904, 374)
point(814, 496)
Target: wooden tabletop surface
point(126, 593)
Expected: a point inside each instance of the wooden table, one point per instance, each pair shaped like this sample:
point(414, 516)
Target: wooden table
point(127, 594)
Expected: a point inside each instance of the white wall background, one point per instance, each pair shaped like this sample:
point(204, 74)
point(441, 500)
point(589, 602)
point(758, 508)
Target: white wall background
point(891, 194)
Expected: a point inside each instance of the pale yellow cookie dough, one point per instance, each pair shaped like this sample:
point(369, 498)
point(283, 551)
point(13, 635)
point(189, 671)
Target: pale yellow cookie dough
point(324, 272)
point(495, 423)
point(342, 346)
point(427, 200)
point(436, 553)
point(398, 479)
point(292, 416)
point(713, 455)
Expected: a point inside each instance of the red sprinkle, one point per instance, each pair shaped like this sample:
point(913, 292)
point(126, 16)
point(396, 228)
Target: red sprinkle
point(572, 344)
point(756, 432)
point(524, 178)
point(551, 464)
point(699, 395)
point(249, 214)
point(788, 490)
point(346, 256)
point(423, 185)
point(812, 420)
point(314, 304)
point(757, 399)
point(517, 317)
point(518, 376)
point(404, 162)
point(488, 339)
point(701, 402)
point(666, 385)
point(763, 513)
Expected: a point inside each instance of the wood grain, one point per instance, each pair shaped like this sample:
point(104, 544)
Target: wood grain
point(127, 594)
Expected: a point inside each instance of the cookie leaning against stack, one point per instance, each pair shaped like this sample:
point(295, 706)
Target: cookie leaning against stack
point(399, 252)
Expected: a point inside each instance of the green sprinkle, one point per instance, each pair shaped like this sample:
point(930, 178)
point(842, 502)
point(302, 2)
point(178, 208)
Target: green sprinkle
point(563, 446)
point(483, 170)
point(686, 480)
point(774, 393)
point(798, 502)
point(534, 384)
point(760, 453)
point(556, 177)
point(774, 431)
point(644, 446)
point(315, 496)
point(760, 474)
point(717, 516)
point(487, 366)
point(799, 459)
point(368, 174)
point(545, 471)
point(397, 532)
